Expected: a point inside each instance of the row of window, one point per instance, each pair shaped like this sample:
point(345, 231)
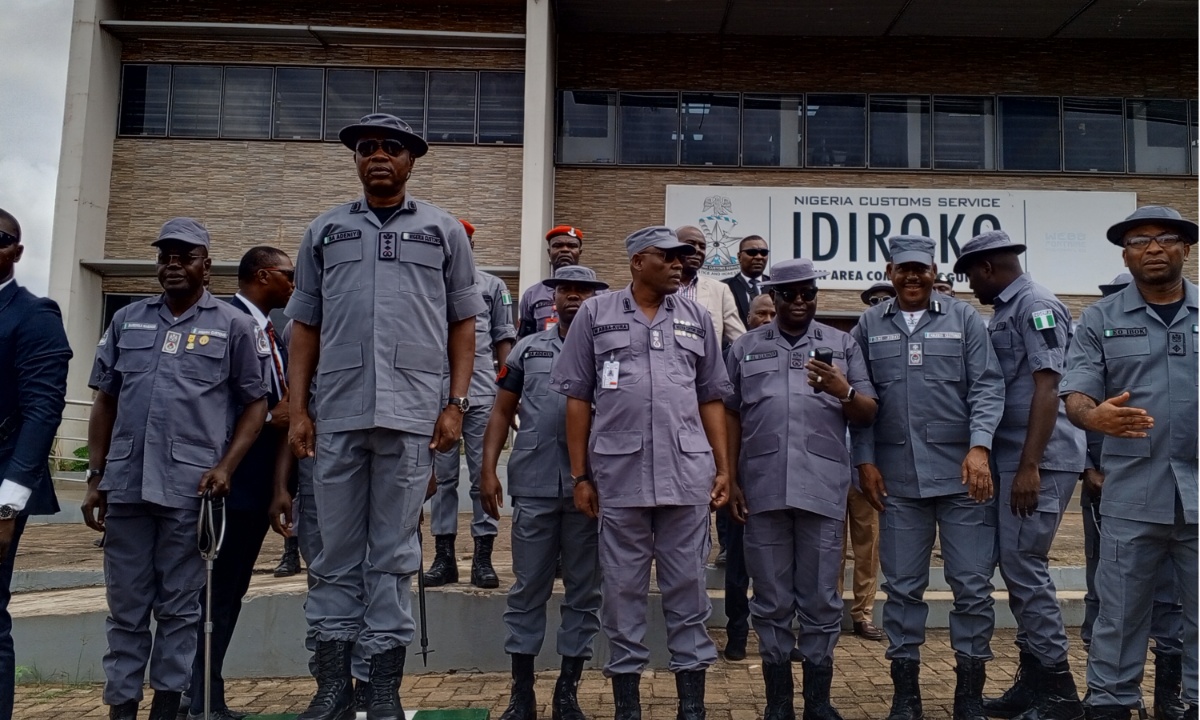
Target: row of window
point(306, 103)
point(918, 132)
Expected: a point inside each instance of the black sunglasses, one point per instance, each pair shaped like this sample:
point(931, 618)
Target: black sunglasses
point(878, 299)
point(789, 296)
point(673, 254)
point(757, 252)
point(289, 274)
point(7, 239)
point(367, 148)
point(166, 258)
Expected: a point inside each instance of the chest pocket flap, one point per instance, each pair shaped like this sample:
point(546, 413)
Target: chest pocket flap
point(1001, 339)
point(421, 252)
point(758, 366)
point(611, 341)
point(1118, 347)
point(342, 251)
point(136, 350)
point(204, 362)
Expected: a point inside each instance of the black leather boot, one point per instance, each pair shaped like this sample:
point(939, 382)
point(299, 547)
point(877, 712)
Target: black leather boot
point(482, 573)
point(334, 699)
point(1168, 684)
point(817, 679)
point(387, 669)
point(1023, 693)
point(289, 562)
point(566, 691)
point(1057, 698)
point(443, 570)
point(627, 696)
point(906, 693)
point(689, 686)
point(125, 711)
point(522, 703)
point(968, 691)
point(1190, 713)
point(781, 688)
point(1107, 712)
point(165, 705)
point(362, 695)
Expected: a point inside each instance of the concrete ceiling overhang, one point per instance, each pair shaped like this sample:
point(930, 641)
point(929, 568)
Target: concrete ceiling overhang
point(314, 35)
point(1113, 19)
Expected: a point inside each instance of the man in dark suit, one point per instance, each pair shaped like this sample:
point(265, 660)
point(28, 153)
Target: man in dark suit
point(33, 362)
point(752, 256)
point(265, 277)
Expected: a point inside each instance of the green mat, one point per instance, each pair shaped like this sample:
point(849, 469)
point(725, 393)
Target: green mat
point(459, 714)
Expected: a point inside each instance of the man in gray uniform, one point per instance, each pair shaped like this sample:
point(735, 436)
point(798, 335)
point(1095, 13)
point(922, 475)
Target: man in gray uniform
point(494, 336)
point(1039, 455)
point(649, 361)
point(1131, 375)
point(385, 290)
point(1166, 616)
point(181, 386)
point(546, 523)
point(787, 421)
point(564, 245)
point(925, 466)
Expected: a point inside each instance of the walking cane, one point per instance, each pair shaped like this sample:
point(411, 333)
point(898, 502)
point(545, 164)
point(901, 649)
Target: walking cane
point(210, 535)
point(421, 603)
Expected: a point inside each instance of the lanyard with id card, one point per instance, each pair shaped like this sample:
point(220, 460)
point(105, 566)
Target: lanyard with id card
point(609, 374)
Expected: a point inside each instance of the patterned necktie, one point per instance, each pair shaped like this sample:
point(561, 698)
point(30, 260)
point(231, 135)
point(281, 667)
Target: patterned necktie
point(281, 380)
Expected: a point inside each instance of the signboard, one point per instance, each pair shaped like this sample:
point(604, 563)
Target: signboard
point(845, 230)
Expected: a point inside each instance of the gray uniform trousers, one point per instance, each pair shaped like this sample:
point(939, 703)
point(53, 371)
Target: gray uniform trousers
point(794, 558)
point(308, 538)
point(676, 538)
point(541, 529)
point(444, 506)
point(1166, 615)
point(968, 542)
point(151, 565)
point(369, 486)
point(1131, 555)
point(1024, 565)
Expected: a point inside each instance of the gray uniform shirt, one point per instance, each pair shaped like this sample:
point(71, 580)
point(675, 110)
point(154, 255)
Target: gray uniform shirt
point(492, 326)
point(539, 465)
point(647, 380)
point(794, 451)
point(940, 394)
point(1030, 331)
point(1121, 344)
point(382, 296)
point(180, 384)
point(536, 308)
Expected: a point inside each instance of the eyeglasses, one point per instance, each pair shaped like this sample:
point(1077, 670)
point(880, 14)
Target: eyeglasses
point(167, 258)
point(807, 294)
point(367, 148)
point(878, 299)
point(7, 239)
point(289, 274)
point(756, 252)
point(673, 254)
point(1141, 242)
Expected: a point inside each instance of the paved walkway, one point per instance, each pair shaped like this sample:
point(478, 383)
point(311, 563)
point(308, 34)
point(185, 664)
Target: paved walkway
point(861, 687)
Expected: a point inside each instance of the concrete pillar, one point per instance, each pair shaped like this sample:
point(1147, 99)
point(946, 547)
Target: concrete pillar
point(84, 170)
point(537, 177)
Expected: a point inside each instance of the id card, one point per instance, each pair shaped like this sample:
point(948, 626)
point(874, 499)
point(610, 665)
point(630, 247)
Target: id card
point(916, 356)
point(609, 375)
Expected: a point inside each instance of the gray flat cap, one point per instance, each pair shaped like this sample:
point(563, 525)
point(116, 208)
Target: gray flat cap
point(1152, 215)
point(793, 271)
point(982, 244)
point(389, 125)
point(877, 287)
point(576, 275)
point(911, 248)
point(1116, 284)
point(658, 236)
point(183, 229)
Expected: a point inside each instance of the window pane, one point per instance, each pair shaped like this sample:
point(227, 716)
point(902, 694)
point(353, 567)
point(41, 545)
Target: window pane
point(587, 130)
point(451, 107)
point(195, 101)
point(900, 131)
point(1157, 136)
point(1029, 134)
point(649, 128)
point(402, 93)
point(710, 129)
point(145, 90)
point(349, 94)
point(246, 103)
point(1093, 135)
point(501, 107)
point(964, 133)
point(772, 130)
point(837, 130)
point(298, 94)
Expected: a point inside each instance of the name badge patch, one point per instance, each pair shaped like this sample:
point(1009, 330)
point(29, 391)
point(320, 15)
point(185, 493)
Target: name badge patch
point(538, 353)
point(611, 327)
point(943, 336)
point(387, 246)
point(171, 343)
point(339, 236)
point(882, 338)
point(421, 237)
point(1125, 332)
point(138, 326)
point(916, 355)
point(762, 355)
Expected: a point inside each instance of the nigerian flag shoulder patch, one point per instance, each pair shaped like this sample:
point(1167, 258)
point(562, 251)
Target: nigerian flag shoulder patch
point(1043, 319)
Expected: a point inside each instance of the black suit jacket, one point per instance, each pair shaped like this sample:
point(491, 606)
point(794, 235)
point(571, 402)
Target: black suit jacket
point(33, 391)
point(254, 479)
point(741, 293)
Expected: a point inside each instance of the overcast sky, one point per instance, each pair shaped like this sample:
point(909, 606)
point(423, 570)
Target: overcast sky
point(35, 35)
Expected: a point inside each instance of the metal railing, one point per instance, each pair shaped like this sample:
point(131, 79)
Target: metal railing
point(65, 465)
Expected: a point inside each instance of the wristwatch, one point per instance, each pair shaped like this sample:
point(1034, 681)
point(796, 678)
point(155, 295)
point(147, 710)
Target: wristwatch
point(93, 473)
point(461, 403)
point(576, 479)
point(8, 512)
point(849, 397)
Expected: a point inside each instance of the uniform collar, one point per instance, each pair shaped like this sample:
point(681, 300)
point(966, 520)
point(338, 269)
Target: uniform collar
point(206, 301)
point(775, 334)
point(628, 305)
point(1131, 297)
point(1007, 294)
point(361, 207)
point(255, 313)
point(934, 306)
